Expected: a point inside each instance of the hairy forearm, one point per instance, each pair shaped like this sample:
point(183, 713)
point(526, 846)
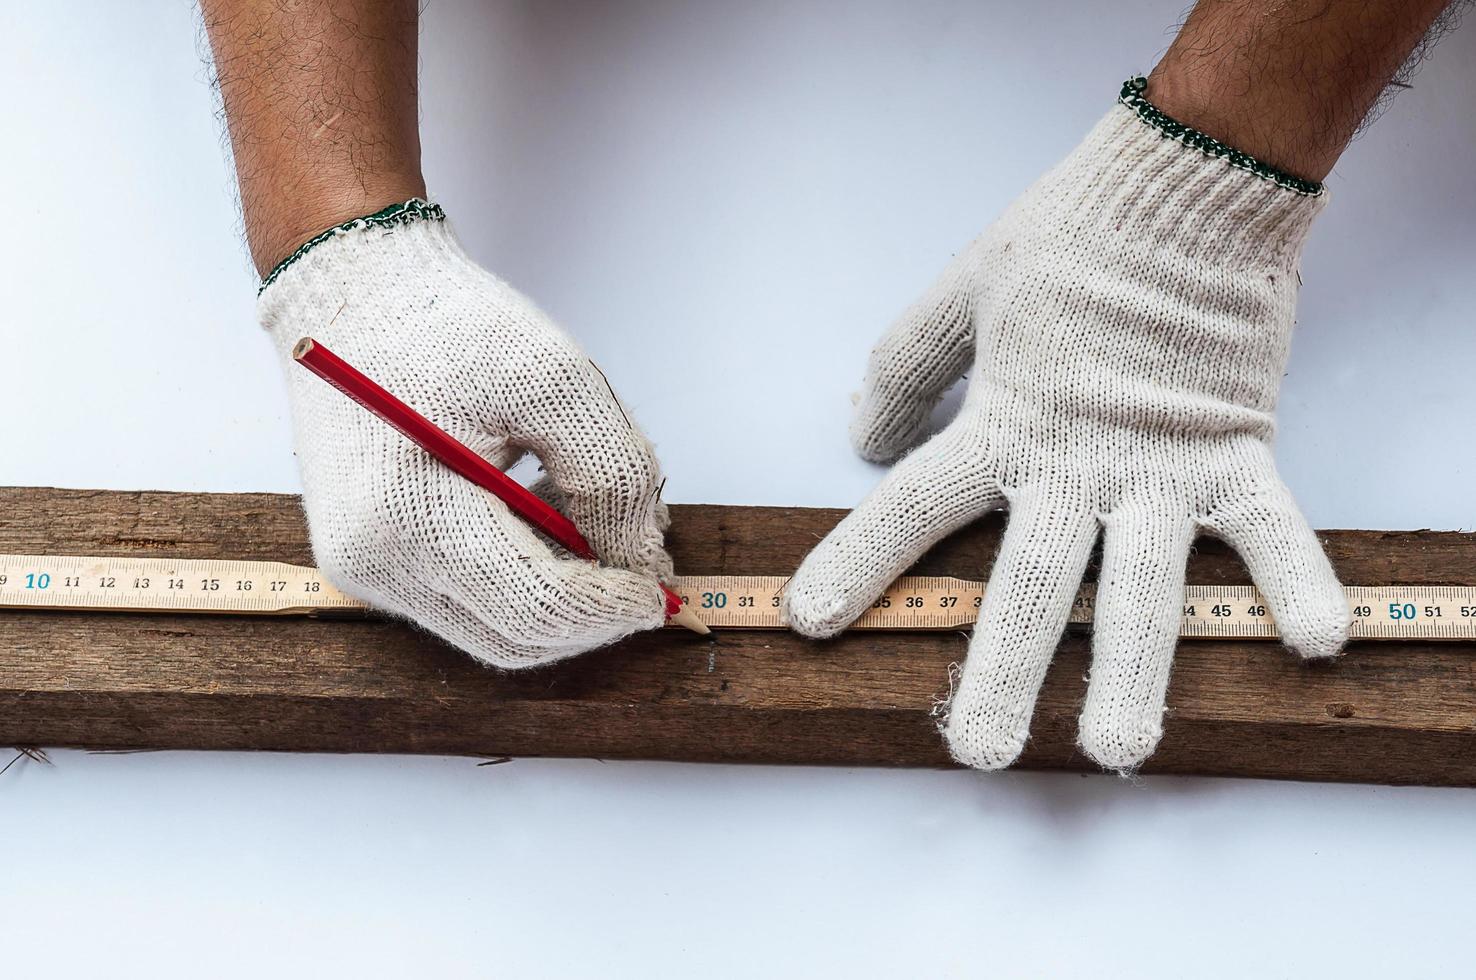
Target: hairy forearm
point(1287, 81)
point(320, 102)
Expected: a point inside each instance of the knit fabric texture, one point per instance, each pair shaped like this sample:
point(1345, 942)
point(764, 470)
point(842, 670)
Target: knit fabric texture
point(402, 302)
point(1128, 321)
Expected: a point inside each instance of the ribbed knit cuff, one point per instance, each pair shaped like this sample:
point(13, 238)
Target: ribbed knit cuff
point(371, 262)
point(1155, 181)
point(1132, 96)
point(396, 215)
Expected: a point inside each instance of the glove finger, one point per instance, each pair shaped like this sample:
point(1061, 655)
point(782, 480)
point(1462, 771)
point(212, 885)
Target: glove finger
point(600, 462)
point(1287, 564)
point(1139, 604)
point(546, 490)
point(1026, 604)
point(477, 576)
point(496, 450)
point(926, 350)
point(926, 497)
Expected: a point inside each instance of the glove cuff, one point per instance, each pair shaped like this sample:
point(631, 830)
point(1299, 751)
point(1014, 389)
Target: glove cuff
point(1132, 96)
point(1149, 179)
point(400, 215)
point(368, 262)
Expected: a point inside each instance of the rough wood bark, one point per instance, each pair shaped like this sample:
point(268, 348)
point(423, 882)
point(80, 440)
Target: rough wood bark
point(1387, 712)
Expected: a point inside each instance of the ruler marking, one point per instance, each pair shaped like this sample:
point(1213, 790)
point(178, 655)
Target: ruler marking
point(150, 583)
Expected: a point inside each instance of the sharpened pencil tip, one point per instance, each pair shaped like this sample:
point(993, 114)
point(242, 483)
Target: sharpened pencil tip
point(686, 617)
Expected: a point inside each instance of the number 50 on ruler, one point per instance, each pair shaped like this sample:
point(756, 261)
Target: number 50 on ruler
point(1218, 611)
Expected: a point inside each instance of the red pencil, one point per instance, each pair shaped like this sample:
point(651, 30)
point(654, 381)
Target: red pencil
point(436, 441)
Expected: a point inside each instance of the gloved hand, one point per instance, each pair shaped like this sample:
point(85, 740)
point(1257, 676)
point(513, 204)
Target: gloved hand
point(396, 297)
point(1128, 320)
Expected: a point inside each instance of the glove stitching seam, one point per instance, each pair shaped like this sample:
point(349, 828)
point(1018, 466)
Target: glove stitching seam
point(401, 213)
point(1132, 97)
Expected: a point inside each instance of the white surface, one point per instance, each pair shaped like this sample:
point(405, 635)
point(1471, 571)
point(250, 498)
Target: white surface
point(791, 174)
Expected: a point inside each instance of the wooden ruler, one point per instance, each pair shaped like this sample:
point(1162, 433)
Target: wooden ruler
point(1216, 611)
point(172, 585)
point(167, 585)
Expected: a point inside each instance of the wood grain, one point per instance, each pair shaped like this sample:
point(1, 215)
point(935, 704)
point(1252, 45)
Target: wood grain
point(1389, 712)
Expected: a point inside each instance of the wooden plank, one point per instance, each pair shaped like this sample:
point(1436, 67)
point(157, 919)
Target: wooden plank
point(1389, 712)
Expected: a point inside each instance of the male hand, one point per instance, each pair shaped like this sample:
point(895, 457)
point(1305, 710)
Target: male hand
point(1128, 321)
point(395, 296)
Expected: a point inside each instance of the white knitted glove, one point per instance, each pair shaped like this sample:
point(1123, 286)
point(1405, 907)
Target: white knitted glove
point(395, 296)
point(1128, 320)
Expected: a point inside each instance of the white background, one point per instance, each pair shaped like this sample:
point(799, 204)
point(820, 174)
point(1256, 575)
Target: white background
point(757, 187)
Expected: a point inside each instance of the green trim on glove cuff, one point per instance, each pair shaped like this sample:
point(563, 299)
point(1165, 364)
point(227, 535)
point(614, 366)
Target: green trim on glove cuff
point(403, 213)
point(1132, 97)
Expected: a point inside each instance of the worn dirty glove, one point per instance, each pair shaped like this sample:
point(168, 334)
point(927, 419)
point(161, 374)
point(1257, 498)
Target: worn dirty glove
point(1128, 321)
point(395, 296)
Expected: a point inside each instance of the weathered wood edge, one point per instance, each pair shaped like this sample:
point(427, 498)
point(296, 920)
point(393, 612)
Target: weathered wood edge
point(1387, 712)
